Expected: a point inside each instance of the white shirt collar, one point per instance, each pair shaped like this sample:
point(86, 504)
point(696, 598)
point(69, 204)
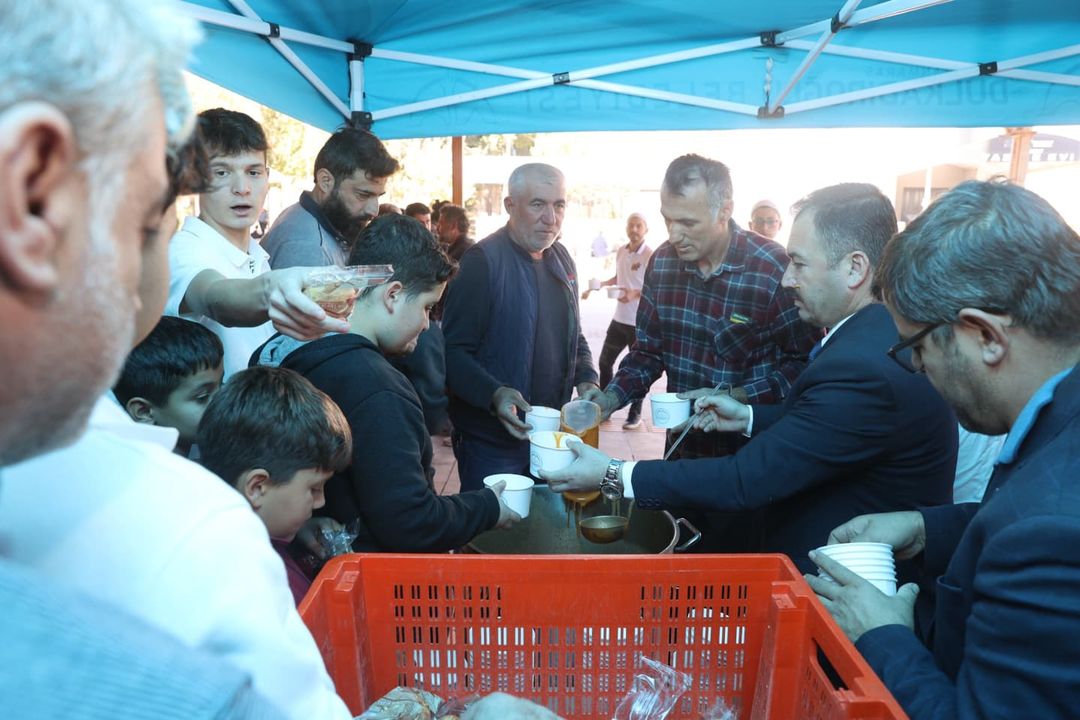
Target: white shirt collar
point(833, 329)
point(253, 258)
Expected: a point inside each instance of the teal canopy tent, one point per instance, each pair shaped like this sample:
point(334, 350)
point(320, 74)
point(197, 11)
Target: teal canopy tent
point(417, 68)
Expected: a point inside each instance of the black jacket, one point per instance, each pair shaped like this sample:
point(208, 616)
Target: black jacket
point(389, 484)
point(857, 434)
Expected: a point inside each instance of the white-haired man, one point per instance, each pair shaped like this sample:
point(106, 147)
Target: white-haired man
point(113, 517)
point(513, 329)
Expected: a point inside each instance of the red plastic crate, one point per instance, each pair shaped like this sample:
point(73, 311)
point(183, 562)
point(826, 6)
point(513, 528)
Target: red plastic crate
point(565, 631)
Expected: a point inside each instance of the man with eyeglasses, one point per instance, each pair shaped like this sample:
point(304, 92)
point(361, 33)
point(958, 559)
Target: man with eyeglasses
point(765, 219)
point(985, 290)
point(856, 431)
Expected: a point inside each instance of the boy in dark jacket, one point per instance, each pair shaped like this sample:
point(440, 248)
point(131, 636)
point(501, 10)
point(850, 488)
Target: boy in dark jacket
point(389, 486)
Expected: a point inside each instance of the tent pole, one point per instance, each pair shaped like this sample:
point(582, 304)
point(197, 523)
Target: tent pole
point(837, 24)
point(1021, 153)
point(968, 70)
point(457, 193)
point(890, 89)
point(293, 59)
point(616, 88)
point(881, 11)
point(261, 27)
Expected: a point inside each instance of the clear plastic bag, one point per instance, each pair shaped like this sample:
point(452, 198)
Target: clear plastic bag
point(455, 707)
point(653, 693)
point(339, 542)
point(335, 289)
point(403, 703)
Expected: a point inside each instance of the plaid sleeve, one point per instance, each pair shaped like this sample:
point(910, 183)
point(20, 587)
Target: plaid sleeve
point(792, 339)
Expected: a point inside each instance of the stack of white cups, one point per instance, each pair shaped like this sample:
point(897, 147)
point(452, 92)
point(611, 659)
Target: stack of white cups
point(871, 561)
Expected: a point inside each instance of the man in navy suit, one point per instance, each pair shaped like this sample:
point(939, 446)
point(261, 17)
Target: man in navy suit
point(856, 432)
point(985, 290)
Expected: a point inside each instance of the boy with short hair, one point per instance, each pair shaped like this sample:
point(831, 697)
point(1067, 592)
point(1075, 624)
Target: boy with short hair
point(389, 486)
point(170, 376)
point(219, 275)
point(277, 439)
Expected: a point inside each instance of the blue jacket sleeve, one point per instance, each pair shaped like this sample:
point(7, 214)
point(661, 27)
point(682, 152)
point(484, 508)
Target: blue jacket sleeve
point(837, 425)
point(1020, 654)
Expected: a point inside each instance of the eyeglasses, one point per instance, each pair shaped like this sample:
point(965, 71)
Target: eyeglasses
point(903, 353)
point(765, 221)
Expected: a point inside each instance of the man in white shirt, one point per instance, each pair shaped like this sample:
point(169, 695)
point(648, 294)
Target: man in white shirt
point(630, 263)
point(83, 174)
point(220, 276)
point(119, 517)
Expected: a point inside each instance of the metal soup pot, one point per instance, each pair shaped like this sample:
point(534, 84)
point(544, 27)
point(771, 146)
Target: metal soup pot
point(551, 529)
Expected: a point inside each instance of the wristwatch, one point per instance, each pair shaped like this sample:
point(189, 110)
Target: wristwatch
point(611, 487)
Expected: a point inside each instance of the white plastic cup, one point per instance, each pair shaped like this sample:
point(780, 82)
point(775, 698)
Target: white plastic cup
point(615, 291)
point(548, 451)
point(873, 548)
point(518, 492)
point(885, 585)
point(871, 561)
point(543, 418)
point(594, 284)
point(668, 410)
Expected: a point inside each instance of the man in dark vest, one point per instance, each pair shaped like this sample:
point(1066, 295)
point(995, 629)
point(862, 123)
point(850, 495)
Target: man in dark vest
point(513, 329)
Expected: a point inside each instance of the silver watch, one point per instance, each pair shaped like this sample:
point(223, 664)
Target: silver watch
point(611, 487)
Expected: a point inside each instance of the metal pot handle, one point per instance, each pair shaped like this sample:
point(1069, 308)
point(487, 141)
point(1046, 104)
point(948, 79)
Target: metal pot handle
point(689, 543)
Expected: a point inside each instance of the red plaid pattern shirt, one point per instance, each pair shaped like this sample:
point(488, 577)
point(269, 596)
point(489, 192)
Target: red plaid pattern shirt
point(737, 326)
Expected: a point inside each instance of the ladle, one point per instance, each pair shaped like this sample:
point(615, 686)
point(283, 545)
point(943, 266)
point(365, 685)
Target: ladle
point(603, 529)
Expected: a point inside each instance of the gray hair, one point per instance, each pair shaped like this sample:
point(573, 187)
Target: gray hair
point(98, 77)
point(988, 245)
point(850, 217)
point(689, 170)
point(521, 176)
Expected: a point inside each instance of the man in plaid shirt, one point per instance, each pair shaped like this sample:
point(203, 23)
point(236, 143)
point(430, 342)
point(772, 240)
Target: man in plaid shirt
point(712, 310)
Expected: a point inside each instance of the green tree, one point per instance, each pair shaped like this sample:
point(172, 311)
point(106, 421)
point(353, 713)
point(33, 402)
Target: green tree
point(286, 138)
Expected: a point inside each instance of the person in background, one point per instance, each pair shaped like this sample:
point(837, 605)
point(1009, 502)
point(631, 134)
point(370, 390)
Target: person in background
point(390, 486)
point(389, 209)
point(351, 171)
point(169, 378)
point(513, 329)
point(984, 287)
point(630, 263)
point(421, 213)
point(765, 219)
point(218, 274)
point(259, 231)
point(857, 433)
point(453, 231)
point(276, 439)
point(89, 164)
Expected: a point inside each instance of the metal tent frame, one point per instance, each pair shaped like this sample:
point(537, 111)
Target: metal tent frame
point(847, 19)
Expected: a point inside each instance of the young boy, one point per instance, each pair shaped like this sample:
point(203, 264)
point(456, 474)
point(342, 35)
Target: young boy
point(219, 275)
point(170, 376)
point(389, 486)
point(271, 435)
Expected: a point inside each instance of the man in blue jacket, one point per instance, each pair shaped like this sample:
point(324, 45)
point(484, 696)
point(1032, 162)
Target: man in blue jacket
point(513, 330)
point(985, 290)
point(856, 430)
